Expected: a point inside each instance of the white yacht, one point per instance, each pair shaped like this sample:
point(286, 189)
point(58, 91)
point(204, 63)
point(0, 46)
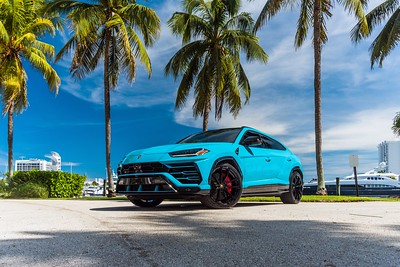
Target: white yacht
point(371, 183)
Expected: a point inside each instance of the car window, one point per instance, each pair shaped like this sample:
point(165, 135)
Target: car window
point(221, 135)
point(267, 142)
point(250, 134)
point(272, 144)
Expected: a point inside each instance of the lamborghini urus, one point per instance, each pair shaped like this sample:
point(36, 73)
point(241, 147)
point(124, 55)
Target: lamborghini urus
point(216, 167)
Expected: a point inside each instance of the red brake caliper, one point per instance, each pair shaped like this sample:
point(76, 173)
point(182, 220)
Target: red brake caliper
point(228, 184)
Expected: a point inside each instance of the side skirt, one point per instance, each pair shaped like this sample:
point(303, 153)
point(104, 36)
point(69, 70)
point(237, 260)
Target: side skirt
point(265, 190)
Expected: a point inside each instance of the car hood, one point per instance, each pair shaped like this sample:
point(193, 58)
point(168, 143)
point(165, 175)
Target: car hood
point(159, 153)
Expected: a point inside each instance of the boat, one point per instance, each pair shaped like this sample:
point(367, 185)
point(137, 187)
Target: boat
point(371, 183)
point(93, 190)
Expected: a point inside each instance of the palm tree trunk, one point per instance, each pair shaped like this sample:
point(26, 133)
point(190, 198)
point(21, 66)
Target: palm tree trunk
point(317, 96)
point(206, 114)
point(107, 116)
point(10, 139)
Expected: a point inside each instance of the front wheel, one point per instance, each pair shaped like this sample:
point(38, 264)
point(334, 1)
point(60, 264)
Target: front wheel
point(226, 187)
point(295, 189)
point(145, 203)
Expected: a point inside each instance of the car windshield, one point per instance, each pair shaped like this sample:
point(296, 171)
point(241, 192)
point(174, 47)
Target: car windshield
point(221, 135)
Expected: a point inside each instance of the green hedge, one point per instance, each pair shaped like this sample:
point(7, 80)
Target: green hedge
point(58, 184)
point(29, 190)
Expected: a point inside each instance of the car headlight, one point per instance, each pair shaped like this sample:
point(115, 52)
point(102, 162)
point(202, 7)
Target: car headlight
point(189, 152)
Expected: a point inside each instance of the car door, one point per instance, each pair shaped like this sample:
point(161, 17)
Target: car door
point(253, 156)
point(277, 157)
point(262, 159)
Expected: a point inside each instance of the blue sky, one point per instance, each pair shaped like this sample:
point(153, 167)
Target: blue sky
point(358, 104)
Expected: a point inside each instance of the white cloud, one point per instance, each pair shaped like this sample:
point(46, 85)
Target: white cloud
point(255, 115)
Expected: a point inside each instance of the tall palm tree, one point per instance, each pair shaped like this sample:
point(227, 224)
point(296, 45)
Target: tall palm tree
point(314, 13)
point(105, 30)
point(389, 35)
point(21, 24)
point(214, 34)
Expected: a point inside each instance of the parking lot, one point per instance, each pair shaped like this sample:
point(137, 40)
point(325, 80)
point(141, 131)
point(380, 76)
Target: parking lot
point(116, 233)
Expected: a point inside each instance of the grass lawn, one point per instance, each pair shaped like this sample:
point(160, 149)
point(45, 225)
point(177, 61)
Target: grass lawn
point(312, 198)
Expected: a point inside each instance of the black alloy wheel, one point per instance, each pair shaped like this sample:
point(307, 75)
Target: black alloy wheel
point(226, 187)
point(145, 203)
point(295, 189)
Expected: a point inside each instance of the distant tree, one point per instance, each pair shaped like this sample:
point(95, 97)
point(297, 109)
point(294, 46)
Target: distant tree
point(21, 24)
point(314, 13)
point(389, 36)
point(213, 36)
point(106, 30)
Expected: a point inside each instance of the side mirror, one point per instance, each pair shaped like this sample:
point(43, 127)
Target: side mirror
point(252, 141)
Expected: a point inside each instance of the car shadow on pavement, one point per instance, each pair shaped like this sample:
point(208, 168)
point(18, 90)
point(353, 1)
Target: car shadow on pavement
point(176, 206)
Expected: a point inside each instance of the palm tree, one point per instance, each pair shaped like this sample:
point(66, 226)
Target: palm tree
point(105, 29)
point(314, 13)
point(21, 24)
point(213, 35)
point(388, 37)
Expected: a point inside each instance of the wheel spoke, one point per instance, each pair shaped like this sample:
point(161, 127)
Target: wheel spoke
point(221, 177)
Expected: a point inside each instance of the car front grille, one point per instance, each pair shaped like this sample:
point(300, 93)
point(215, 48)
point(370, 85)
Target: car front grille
point(184, 172)
point(154, 183)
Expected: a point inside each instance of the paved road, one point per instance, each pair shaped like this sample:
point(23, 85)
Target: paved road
point(115, 233)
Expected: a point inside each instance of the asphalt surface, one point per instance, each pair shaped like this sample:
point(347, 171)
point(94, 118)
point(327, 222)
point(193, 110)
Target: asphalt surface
point(116, 233)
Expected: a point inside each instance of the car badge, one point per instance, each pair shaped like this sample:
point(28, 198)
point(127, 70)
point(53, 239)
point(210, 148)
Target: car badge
point(138, 157)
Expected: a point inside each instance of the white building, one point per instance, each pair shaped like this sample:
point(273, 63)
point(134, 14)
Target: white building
point(389, 152)
point(39, 164)
point(55, 161)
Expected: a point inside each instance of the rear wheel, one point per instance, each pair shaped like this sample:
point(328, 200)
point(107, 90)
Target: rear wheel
point(145, 203)
point(226, 187)
point(295, 189)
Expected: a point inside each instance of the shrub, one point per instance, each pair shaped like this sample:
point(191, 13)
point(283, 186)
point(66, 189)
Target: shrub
point(29, 190)
point(4, 189)
point(3, 186)
point(58, 184)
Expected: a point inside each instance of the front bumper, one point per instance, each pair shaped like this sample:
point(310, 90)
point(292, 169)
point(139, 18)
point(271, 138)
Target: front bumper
point(157, 179)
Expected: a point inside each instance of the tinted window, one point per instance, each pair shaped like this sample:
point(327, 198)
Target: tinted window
point(267, 142)
point(272, 144)
point(250, 134)
point(221, 135)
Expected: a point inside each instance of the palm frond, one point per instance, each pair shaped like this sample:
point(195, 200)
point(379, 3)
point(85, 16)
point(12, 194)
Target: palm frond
point(4, 37)
point(396, 124)
point(242, 22)
point(188, 26)
point(143, 18)
point(304, 22)
point(180, 61)
point(42, 26)
point(188, 79)
point(69, 46)
point(41, 64)
point(46, 49)
point(374, 18)
point(140, 52)
point(270, 9)
point(386, 41)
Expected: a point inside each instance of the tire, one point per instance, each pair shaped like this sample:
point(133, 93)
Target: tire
point(226, 187)
point(295, 189)
point(145, 203)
